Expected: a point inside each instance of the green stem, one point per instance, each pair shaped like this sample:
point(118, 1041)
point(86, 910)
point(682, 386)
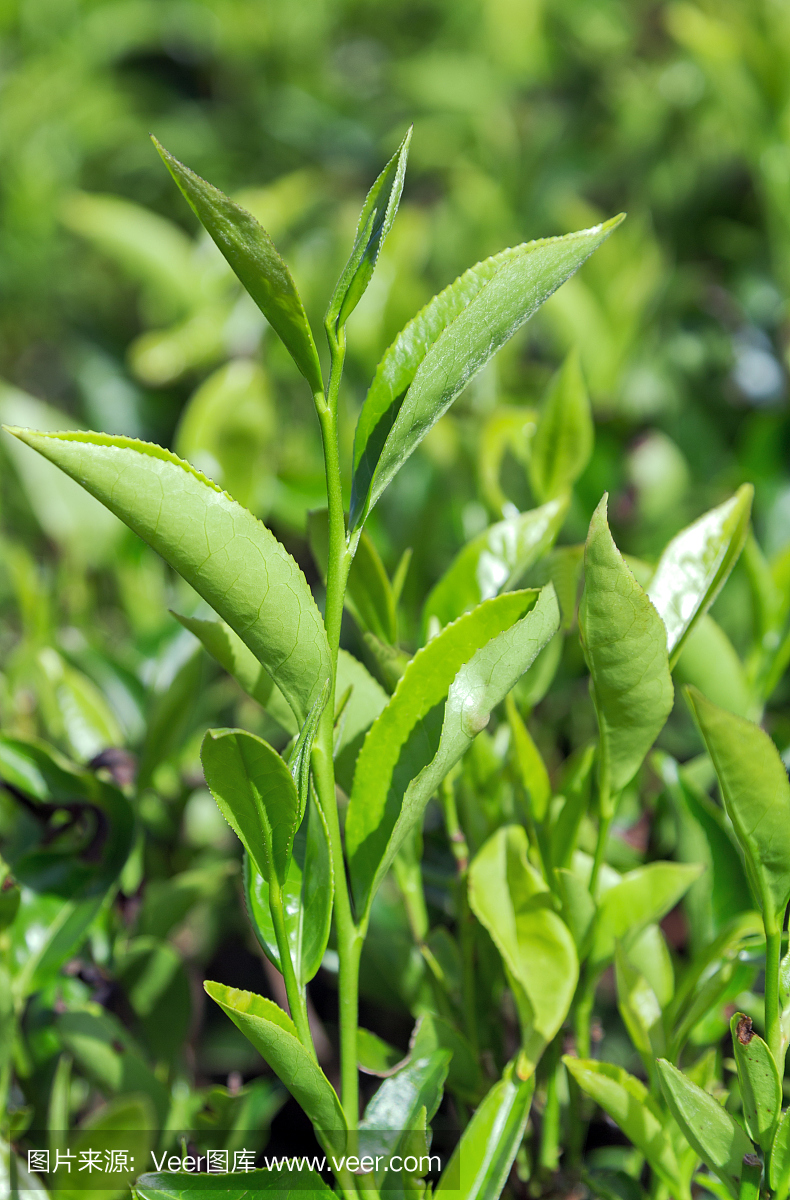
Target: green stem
point(455, 833)
point(349, 937)
point(550, 1129)
point(751, 1175)
point(460, 849)
point(773, 954)
point(295, 993)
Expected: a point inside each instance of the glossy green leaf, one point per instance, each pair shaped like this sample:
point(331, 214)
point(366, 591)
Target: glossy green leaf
point(780, 1158)
point(578, 906)
point(219, 640)
point(625, 644)
point(442, 702)
point(641, 897)
point(375, 222)
point(273, 1034)
point(715, 1135)
point(563, 440)
point(649, 953)
point(758, 1076)
point(252, 255)
point(445, 345)
point(531, 767)
point(630, 1105)
point(494, 561)
point(511, 900)
point(481, 1162)
point(395, 1108)
point(241, 1185)
point(436, 1033)
point(256, 794)
point(225, 553)
point(640, 1010)
point(756, 792)
point(694, 566)
point(307, 898)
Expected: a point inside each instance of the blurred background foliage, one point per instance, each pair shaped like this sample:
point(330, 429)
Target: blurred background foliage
point(532, 118)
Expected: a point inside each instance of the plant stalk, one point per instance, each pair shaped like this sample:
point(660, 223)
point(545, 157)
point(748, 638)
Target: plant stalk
point(751, 1175)
point(349, 937)
point(295, 993)
point(773, 954)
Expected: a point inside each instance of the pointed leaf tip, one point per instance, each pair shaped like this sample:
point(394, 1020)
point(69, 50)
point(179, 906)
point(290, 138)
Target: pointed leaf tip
point(254, 258)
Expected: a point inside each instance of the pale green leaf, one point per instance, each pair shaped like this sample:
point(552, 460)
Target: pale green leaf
point(252, 255)
point(512, 901)
point(694, 566)
point(445, 345)
point(625, 644)
point(563, 440)
point(709, 661)
point(629, 1104)
point(756, 792)
point(256, 794)
point(715, 1135)
point(273, 1034)
point(481, 1162)
point(780, 1158)
point(441, 703)
point(232, 560)
point(363, 699)
point(375, 222)
point(377, 1057)
point(640, 898)
point(494, 561)
point(640, 1009)
point(758, 1076)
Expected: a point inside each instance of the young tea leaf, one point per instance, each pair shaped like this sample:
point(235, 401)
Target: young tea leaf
point(758, 1076)
point(396, 1106)
point(625, 644)
point(307, 898)
point(640, 898)
point(694, 567)
point(227, 555)
point(273, 1034)
point(489, 1144)
point(531, 767)
point(629, 1104)
point(494, 561)
point(375, 222)
point(756, 793)
point(256, 794)
point(563, 440)
point(252, 255)
point(443, 700)
point(512, 902)
point(715, 1135)
point(444, 346)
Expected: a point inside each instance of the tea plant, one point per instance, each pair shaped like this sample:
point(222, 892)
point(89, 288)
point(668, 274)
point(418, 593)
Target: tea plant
point(536, 911)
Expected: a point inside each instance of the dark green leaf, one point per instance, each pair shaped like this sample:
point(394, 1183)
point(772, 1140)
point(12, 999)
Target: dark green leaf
point(442, 702)
point(780, 1158)
point(307, 898)
point(756, 793)
point(256, 794)
point(377, 1057)
point(445, 345)
point(435, 1033)
point(563, 440)
point(694, 566)
point(243, 1185)
point(396, 1106)
point(494, 562)
point(252, 255)
point(715, 1135)
point(375, 222)
point(625, 644)
point(481, 1162)
point(225, 553)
